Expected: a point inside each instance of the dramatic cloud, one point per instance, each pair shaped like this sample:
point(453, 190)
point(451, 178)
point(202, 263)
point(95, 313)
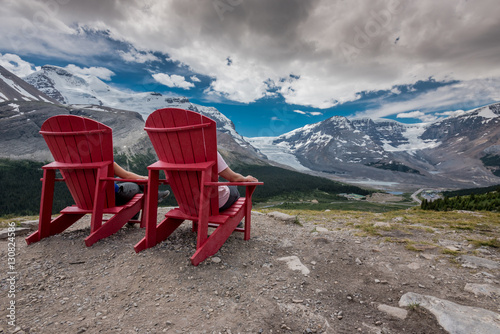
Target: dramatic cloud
point(16, 65)
point(173, 80)
point(335, 50)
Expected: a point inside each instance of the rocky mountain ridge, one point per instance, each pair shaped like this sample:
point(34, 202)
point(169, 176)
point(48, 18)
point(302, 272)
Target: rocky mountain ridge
point(446, 153)
point(62, 92)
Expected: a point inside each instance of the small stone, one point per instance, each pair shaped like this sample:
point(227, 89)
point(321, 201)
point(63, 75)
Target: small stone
point(377, 280)
point(414, 266)
point(216, 259)
point(393, 311)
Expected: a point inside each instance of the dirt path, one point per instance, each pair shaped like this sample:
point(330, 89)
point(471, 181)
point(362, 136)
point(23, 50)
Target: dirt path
point(65, 287)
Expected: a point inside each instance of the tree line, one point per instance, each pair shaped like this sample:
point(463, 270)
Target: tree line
point(20, 190)
point(473, 202)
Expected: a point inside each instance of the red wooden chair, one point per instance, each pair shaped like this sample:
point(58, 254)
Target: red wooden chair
point(186, 145)
point(83, 152)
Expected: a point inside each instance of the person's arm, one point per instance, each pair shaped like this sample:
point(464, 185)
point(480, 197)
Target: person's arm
point(231, 176)
point(125, 174)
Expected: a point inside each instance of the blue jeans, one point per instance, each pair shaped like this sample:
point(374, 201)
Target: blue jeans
point(234, 194)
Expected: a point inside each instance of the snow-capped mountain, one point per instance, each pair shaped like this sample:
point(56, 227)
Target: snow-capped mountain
point(89, 91)
point(12, 88)
point(447, 152)
point(24, 108)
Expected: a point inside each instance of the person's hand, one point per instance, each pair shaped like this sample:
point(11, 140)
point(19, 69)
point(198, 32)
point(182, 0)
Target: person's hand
point(250, 178)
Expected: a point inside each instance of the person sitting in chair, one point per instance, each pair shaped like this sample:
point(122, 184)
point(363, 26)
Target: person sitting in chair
point(125, 191)
point(229, 194)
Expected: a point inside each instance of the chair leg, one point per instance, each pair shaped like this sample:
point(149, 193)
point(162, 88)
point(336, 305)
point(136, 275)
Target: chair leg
point(248, 220)
point(56, 226)
point(163, 231)
point(114, 224)
point(216, 239)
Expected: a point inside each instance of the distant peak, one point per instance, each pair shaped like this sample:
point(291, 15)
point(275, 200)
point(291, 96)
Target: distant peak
point(58, 70)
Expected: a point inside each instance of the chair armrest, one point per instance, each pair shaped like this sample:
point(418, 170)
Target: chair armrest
point(160, 165)
point(76, 165)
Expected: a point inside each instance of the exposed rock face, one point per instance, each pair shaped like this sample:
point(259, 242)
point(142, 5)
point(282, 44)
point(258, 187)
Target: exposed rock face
point(12, 88)
point(455, 318)
point(20, 123)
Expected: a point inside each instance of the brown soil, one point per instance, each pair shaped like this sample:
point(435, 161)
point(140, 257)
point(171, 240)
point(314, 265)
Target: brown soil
point(65, 287)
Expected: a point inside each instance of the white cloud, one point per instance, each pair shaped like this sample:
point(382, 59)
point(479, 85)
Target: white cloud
point(16, 65)
point(411, 114)
point(100, 72)
point(173, 80)
point(395, 91)
point(137, 57)
point(310, 113)
point(418, 115)
point(451, 113)
point(194, 78)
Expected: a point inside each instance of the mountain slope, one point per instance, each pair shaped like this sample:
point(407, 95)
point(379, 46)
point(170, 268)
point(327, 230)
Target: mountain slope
point(20, 122)
point(12, 88)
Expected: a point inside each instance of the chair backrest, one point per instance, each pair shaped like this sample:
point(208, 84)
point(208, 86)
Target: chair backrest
point(75, 139)
point(184, 137)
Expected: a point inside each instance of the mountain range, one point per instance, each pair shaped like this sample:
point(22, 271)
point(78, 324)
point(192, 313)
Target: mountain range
point(447, 153)
point(456, 152)
point(25, 104)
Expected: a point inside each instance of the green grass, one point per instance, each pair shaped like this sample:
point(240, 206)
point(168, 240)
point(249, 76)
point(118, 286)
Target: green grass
point(418, 230)
point(493, 242)
point(344, 205)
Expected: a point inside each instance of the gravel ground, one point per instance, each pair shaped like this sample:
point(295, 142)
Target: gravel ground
point(339, 282)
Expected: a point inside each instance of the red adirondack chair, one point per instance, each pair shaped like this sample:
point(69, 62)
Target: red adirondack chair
point(186, 145)
point(83, 152)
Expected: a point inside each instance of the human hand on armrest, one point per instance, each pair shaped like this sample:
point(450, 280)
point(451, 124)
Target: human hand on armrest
point(231, 176)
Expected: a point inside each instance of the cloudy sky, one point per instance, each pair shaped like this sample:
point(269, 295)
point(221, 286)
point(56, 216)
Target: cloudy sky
point(272, 66)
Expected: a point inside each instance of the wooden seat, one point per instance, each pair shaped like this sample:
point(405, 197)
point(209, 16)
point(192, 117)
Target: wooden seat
point(83, 152)
point(186, 145)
